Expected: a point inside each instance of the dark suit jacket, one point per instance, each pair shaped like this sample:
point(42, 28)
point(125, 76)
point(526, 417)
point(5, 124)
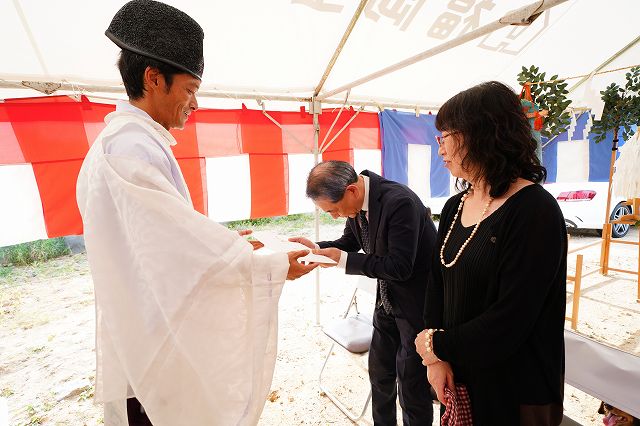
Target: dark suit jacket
point(402, 237)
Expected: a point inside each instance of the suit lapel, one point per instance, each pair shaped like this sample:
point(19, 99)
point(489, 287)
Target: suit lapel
point(355, 228)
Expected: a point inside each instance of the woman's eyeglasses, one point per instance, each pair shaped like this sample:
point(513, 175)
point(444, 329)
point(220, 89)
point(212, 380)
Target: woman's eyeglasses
point(440, 139)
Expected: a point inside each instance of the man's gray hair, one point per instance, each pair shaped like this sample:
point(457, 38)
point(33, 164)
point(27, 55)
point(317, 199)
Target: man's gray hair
point(330, 179)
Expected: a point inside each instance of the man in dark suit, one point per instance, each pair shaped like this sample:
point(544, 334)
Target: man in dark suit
point(394, 229)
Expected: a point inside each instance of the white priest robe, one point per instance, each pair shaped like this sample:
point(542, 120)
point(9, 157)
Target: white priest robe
point(186, 312)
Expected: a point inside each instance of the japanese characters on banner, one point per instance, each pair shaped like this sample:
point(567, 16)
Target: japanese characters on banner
point(458, 18)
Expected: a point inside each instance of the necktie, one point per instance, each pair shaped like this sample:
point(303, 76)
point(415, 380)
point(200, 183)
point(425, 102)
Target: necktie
point(382, 284)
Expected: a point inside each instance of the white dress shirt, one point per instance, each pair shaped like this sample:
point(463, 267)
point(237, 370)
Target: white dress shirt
point(342, 263)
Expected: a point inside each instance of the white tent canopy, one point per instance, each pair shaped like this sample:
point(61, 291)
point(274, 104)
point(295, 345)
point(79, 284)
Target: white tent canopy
point(293, 50)
point(280, 49)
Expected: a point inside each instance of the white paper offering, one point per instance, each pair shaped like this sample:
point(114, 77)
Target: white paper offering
point(279, 243)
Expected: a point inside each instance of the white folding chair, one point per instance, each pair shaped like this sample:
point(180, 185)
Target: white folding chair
point(353, 332)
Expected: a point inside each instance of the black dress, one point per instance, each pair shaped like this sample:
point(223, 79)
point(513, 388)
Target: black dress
point(502, 306)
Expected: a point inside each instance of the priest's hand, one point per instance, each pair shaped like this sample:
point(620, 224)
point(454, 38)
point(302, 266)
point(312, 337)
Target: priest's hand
point(303, 241)
point(297, 269)
point(440, 375)
point(332, 253)
point(255, 243)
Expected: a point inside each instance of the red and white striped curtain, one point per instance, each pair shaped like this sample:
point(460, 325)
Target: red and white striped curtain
point(237, 163)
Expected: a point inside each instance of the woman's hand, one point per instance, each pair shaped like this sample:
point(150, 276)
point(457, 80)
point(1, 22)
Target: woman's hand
point(440, 375)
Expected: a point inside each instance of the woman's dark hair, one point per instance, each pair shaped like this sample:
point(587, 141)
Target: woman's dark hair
point(496, 135)
point(132, 66)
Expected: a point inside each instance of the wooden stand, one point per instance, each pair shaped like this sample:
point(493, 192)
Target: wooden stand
point(628, 219)
point(577, 281)
point(607, 240)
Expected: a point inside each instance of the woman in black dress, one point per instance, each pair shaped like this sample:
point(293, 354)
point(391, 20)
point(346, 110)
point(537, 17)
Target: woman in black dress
point(495, 305)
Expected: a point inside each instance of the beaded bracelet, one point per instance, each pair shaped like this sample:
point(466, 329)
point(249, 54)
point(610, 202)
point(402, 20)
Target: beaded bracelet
point(428, 342)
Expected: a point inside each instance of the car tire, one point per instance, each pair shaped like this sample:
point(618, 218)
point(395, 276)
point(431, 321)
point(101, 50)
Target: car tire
point(619, 230)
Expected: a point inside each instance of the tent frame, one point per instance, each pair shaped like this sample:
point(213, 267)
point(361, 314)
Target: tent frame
point(522, 16)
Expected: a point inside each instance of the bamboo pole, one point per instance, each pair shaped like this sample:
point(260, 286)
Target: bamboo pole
point(576, 292)
point(606, 228)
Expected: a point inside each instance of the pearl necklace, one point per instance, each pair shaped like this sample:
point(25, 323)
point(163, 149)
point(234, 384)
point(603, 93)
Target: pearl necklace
point(475, 229)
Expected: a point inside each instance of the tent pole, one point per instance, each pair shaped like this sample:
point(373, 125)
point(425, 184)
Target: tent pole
point(343, 41)
point(50, 87)
point(315, 107)
point(386, 104)
point(522, 16)
point(326, 136)
point(32, 40)
point(605, 63)
point(93, 90)
point(323, 148)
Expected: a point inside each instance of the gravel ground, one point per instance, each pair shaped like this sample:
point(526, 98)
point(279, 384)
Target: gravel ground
point(47, 340)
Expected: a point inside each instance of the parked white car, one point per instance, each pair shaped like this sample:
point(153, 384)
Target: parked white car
point(583, 205)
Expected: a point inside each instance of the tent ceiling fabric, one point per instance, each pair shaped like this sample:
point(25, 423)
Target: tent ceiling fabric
point(284, 46)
